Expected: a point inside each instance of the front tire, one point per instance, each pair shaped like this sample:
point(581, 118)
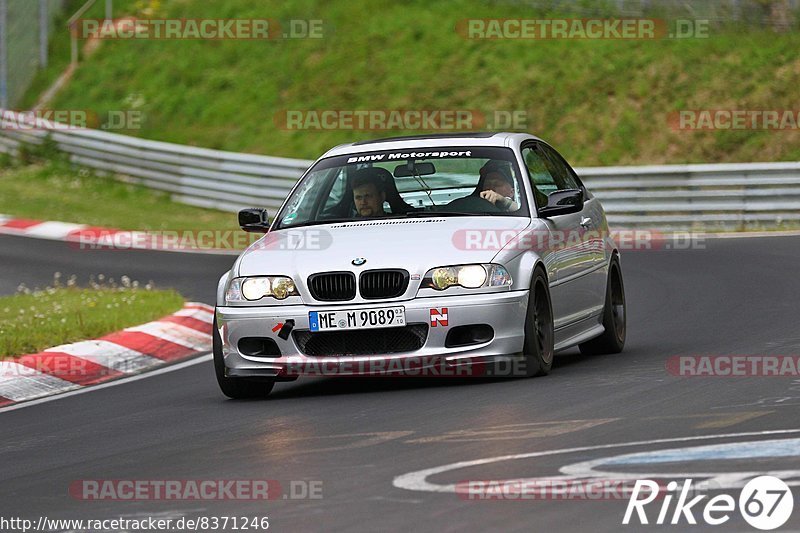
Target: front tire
point(537, 347)
point(614, 316)
point(236, 388)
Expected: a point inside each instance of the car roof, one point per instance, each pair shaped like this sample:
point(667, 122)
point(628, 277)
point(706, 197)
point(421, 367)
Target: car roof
point(436, 140)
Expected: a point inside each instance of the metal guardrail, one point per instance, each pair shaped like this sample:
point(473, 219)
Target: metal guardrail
point(724, 196)
point(733, 196)
point(196, 176)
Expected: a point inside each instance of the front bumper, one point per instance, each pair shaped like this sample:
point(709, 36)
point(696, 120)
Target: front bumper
point(503, 311)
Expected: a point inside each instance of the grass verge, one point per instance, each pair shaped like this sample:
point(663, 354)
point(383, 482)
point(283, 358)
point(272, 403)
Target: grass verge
point(33, 320)
point(53, 190)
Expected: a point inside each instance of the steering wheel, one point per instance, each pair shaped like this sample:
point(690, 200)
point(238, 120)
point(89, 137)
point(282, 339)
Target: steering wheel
point(473, 204)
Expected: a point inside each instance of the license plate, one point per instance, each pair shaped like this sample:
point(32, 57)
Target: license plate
point(385, 317)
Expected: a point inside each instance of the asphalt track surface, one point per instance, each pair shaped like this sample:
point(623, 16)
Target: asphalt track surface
point(355, 436)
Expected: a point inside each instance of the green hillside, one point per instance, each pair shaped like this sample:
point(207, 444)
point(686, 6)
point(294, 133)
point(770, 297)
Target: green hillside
point(601, 102)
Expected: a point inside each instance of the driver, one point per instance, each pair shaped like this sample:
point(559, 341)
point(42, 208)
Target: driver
point(369, 192)
point(498, 185)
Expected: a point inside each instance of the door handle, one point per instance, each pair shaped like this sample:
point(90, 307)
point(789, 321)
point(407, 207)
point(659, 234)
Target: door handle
point(586, 222)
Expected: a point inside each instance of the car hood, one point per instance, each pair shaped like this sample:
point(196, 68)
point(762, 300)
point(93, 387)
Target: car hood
point(415, 244)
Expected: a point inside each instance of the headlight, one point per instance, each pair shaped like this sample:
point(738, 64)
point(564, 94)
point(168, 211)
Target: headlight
point(468, 276)
point(283, 287)
point(255, 288)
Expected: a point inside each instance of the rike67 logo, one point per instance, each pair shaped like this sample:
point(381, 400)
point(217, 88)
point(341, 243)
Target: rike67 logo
point(765, 502)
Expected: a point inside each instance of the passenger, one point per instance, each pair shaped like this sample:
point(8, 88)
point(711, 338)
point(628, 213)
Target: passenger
point(369, 192)
point(497, 185)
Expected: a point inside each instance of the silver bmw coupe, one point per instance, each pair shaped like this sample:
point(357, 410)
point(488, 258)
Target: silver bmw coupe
point(442, 255)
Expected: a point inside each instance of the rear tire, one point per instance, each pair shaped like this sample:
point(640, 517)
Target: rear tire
point(614, 316)
point(537, 347)
point(236, 388)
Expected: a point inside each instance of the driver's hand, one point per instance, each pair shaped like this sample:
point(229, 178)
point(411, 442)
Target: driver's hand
point(491, 196)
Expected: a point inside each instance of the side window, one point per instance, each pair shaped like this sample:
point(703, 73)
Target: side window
point(539, 174)
point(337, 190)
point(559, 169)
point(336, 195)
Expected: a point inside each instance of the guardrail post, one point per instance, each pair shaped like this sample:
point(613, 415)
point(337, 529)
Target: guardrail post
point(74, 46)
point(4, 54)
point(72, 24)
point(43, 33)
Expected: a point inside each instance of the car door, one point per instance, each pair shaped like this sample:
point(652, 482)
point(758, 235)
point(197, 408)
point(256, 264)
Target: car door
point(592, 216)
point(578, 268)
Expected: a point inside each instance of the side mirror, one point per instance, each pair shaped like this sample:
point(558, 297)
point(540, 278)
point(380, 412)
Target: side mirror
point(562, 203)
point(254, 220)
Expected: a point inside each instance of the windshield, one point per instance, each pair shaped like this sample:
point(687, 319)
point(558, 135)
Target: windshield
point(408, 183)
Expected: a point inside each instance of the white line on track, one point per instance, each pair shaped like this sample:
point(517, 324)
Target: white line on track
point(418, 480)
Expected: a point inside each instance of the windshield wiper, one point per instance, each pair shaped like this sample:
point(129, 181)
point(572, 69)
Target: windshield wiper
point(318, 222)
